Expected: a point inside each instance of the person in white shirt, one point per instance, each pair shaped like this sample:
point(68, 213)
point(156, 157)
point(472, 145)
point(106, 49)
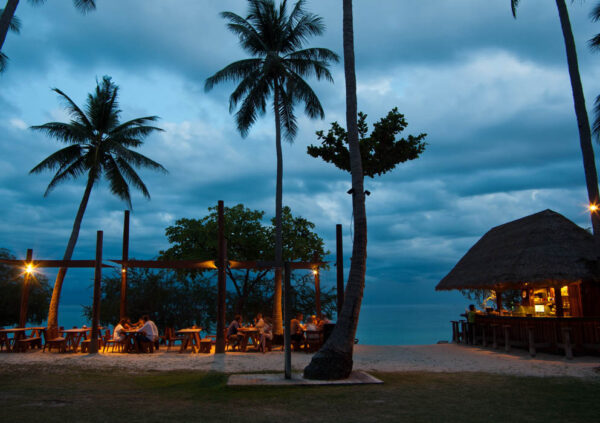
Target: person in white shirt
point(119, 332)
point(148, 332)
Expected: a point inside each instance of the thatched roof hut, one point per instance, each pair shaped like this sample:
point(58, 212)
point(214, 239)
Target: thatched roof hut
point(541, 250)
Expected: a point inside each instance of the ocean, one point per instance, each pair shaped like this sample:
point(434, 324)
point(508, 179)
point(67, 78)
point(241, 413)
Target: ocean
point(406, 324)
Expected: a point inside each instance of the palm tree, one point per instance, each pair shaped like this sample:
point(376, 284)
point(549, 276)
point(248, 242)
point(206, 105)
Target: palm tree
point(585, 136)
point(8, 13)
point(14, 25)
point(334, 359)
point(98, 145)
point(595, 45)
point(278, 65)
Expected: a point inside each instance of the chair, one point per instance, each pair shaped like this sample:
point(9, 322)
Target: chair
point(60, 342)
point(4, 341)
point(85, 344)
point(23, 344)
point(313, 340)
point(170, 338)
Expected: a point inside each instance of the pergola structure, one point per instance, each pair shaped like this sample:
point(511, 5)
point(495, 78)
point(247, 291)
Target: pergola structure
point(221, 265)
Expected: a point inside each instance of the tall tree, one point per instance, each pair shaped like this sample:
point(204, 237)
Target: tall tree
point(14, 25)
point(595, 45)
point(98, 145)
point(277, 68)
point(8, 15)
point(334, 359)
point(585, 136)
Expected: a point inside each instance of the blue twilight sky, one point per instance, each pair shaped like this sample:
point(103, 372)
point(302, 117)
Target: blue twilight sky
point(492, 93)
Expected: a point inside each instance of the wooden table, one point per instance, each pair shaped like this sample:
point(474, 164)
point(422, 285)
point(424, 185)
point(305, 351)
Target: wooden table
point(192, 338)
point(73, 337)
point(19, 333)
point(248, 334)
point(130, 342)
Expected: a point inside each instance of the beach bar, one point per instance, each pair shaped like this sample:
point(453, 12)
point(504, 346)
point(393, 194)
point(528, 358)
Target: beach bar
point(549, 267)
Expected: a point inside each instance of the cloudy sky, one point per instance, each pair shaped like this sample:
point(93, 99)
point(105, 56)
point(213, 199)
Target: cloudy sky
point(491, 92)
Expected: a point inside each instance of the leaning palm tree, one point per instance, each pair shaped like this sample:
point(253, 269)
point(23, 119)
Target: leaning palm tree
point(14, 25)
point(8, 13)
point(98, 145)
point(585, 136)
point(277, 68)
point(334, 359)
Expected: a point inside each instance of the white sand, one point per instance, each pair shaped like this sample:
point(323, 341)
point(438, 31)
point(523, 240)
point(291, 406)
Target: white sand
point(435, 358)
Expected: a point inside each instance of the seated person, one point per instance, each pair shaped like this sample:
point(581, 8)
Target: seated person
point(297, 331)
point(266, 332)
point(312, 323)
point(147, 333)
point(258, 321)
point(139, 323)
point(233, 335)
point(119, 332)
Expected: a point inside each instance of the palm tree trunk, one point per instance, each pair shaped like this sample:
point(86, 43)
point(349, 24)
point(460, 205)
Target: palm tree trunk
point(334, 359)
point(60, 277)
point(277, 315)
point(585, 136)
point(7, 15)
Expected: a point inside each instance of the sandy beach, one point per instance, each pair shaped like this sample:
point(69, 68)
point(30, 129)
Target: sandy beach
point(434, 358)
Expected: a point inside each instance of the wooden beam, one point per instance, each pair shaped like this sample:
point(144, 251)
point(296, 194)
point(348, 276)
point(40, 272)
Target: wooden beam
point(168, 264)
point(53, 263)
point(306, 265)
point(287, 317)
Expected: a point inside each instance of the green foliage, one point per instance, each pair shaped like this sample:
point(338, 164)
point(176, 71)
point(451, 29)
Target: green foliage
point(170, 299)
point(380, 152)
point(11, 286)
point(485, 298)
point(248, 239)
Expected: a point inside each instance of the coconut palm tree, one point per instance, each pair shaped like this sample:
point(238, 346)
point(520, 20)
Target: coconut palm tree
point(98, 145)
point(14, 25)
point(334, 359)
point(8, 13)
point(585, 136)
point(277, 68)
point(595, 45)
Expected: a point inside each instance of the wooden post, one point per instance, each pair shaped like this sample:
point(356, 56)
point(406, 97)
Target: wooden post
point(287, 316)
point(123, 307)
point(221, 281)
point(25, 291)
point(560, 311)
point(339, 263)
point(499, 301)
point(96, 303)
point(317, 286)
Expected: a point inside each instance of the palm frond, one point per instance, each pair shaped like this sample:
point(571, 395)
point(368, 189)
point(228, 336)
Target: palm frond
point(245, 86)
point(233, 72)
point(134, 158)
point(132, 177)
point(73, 109)
point(255, 103)
point(3, 62)
point(15, 23)
point(84, 6)
point(595, 13)
point(116, 181)
point(71, 133)
point(310, 67)
point(513, 5)
point(286, 114)
point(250, 39)
point(72, 171)
point(304, 93)
point(59, 159)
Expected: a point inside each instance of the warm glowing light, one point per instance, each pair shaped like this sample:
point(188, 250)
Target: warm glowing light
point(593, 208)
point(29, 269)
point(315, 272)
point(123, 270)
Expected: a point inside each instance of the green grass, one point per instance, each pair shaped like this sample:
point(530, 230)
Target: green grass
point(36, 393)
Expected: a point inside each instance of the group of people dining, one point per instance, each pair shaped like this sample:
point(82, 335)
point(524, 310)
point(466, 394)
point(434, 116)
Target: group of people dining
point(146, 331)
point(264, 325)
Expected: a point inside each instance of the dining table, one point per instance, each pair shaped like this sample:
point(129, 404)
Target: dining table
point(192, 339)
point(18, 333)
point(249, 334)
point(74, 336)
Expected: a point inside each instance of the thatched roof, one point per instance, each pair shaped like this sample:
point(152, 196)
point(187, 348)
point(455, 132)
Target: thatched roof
point(544, 249)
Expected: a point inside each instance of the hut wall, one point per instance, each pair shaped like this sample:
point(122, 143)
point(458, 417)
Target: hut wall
point(590, 299)
point(575, 301)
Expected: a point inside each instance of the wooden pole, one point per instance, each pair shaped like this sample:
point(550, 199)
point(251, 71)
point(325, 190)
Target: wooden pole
point(499, 301)
point(339, 263)
point(287, 316)
point(317, 275)
point(560, 311)
point(221, 284)
point(96, 303)
point(25, 291)
point(123, 306)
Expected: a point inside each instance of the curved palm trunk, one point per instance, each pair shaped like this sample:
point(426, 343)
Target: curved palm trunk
point(60, 277)
point(334, 359)
point(585, 136)
point(277, 315)
point(7, 15)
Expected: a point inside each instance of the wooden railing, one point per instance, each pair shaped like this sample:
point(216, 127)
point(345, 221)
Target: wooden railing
point(579, 335)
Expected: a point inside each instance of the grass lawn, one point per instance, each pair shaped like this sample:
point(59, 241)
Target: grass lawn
point(42, 394)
